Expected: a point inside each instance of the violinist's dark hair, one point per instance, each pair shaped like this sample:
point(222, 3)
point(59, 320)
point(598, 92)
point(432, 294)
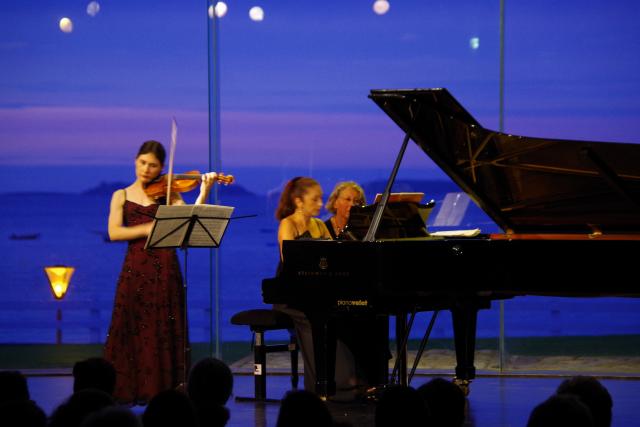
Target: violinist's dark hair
point(153, 147)
point(295, 188)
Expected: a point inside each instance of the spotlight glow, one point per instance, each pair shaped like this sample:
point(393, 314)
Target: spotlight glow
point(256, 14)
point(474, 43)
point(66, 26)
point(93, 8)
point(220, 9)
point(380, 7)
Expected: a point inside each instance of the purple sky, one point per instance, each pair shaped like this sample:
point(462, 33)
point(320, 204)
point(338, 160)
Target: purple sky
point(294, 87)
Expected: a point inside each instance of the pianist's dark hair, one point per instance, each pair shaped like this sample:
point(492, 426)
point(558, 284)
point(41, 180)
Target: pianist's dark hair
point(153, 147)
point(296, 187)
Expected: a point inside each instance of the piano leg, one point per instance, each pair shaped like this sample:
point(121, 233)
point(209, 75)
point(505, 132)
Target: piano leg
point(401, 348)
point(324, 349)
point(465, 314)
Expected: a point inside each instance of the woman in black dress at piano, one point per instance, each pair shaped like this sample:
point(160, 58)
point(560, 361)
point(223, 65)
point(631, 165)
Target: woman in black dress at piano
point(344, 195)
point(299, 205)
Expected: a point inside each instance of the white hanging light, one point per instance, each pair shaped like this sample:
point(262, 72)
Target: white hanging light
point(380, 7)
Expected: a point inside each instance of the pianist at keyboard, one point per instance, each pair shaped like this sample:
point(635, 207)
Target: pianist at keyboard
point(300, 203)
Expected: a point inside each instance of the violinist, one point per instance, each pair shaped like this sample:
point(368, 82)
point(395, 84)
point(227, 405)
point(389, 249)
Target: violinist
point(146, 339)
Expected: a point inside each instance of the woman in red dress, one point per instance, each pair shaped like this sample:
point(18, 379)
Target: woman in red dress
point(146, 341)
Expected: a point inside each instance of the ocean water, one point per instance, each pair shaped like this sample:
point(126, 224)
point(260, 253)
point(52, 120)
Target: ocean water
point(71, 230)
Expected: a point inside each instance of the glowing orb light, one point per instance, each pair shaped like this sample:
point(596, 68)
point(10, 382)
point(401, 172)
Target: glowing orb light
point(220, 9)
point(66, 26)
point(256, 13)
point(93, 8)
point(380, 7)
point(474, 43)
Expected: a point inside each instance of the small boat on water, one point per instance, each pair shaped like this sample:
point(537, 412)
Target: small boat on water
point(30, 236)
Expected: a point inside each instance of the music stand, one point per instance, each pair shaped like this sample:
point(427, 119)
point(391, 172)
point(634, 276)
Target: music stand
point(185, 226)
point(401, 219)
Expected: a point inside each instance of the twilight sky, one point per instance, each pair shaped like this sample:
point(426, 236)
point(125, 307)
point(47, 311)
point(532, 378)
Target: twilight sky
point(294, 86)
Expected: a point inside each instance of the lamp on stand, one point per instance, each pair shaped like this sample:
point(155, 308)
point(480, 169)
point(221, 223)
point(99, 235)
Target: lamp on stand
point(59, 277)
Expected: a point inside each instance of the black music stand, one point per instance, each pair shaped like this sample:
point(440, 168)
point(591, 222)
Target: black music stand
point(185, 226)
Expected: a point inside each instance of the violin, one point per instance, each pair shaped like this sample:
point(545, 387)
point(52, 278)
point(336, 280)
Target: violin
point(180, 183)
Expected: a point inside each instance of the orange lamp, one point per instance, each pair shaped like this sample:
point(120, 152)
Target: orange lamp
point(59, 278)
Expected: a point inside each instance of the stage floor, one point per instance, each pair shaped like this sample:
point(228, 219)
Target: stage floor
point(495, 401)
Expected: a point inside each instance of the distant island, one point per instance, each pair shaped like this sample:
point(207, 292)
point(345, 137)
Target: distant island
point(107, 188)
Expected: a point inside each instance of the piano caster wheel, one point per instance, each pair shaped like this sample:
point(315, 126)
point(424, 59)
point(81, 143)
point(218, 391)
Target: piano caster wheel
point(373, 393)
point(464, 385)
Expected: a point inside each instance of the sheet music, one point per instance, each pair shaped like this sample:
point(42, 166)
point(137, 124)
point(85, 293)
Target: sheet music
point(457, 233)
point(172, 224)
point(401, 197)
point(452, 210)
point(215, 219)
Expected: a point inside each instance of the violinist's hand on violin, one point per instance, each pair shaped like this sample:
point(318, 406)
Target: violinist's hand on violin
point(207, 180)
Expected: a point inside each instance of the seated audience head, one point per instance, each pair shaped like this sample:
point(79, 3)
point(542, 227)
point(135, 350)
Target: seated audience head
point(210, 381)
point(344, 195)
point(212, 415)
point(13, 386)
point(22, 413)
point(113, 416)
point(401, 406)
point(79, 406)
point(446, 402)
point(303, 408)
point(95, 372)
point(593, 394)
point(300, 193)
point(561, 410)
point(170, 408)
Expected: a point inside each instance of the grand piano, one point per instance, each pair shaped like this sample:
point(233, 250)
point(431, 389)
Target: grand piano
point(569, 212)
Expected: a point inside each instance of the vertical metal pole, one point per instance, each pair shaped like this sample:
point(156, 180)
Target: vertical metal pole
point(501, 339)
point(59, 326)
point(502, 30)
point(185, 351)
point(215, 163)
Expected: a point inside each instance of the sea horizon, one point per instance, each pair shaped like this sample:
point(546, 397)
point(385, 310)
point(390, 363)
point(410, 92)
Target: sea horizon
point(69, 226)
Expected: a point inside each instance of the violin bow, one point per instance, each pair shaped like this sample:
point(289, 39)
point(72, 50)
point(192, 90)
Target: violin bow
point(172, 151)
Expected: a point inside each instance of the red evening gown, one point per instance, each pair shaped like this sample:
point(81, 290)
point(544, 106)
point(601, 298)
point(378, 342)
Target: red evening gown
point(146, 336)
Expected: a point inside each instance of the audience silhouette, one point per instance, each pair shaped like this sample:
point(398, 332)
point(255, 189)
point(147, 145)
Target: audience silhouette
point(96, 373)
point(581, 401)
point(78, 407)
point(113, 416)
point(13, 386)
point(170, 408)
point(593, 394)
point(401, 406)
point(561, 410)
point(303, 408)
point(446, 402)
point(209, 386)
point(18, 413)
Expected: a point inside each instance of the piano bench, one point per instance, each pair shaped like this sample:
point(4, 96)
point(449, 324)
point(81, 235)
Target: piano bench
point(259, 321)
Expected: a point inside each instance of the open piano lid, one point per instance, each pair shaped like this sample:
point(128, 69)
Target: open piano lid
point(526, 185)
